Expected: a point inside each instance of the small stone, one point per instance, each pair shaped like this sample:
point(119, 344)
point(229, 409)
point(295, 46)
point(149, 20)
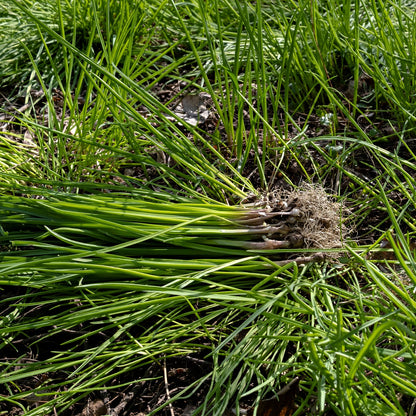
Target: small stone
point(94, 408)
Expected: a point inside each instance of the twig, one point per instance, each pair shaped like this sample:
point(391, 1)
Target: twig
point(127, 398)
point(125, 401)
point(412, 408)
point(165, 377)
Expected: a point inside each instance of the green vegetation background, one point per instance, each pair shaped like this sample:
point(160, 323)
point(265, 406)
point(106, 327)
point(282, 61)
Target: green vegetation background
point(314, 91)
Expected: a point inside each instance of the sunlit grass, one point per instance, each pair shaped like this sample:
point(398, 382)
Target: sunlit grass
point(317, 91)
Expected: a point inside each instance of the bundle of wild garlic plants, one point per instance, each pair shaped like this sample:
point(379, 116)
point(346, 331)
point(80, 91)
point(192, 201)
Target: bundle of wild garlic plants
point(155, 227)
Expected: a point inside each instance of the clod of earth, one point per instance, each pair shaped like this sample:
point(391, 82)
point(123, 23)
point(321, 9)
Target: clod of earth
point(301, 218)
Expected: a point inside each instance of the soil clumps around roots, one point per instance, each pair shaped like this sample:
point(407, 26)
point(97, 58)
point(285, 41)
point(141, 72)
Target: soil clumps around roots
point(301, 218)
